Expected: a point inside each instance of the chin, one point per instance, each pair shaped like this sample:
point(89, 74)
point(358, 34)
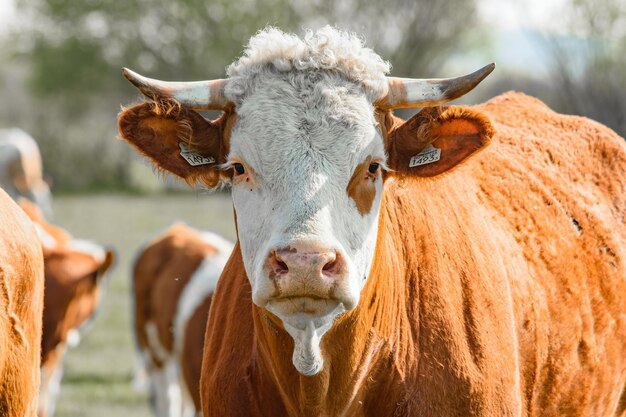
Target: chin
point(303, 314)
point(303, 307)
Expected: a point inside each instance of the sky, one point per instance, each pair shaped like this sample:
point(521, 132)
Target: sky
point(513, 15)
point(7, 9)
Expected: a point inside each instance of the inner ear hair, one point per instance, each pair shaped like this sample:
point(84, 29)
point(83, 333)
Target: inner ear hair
point(460, 131)
point(192, 126)
point(415, 134)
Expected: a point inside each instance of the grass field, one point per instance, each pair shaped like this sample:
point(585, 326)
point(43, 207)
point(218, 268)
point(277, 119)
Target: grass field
point(97, 380)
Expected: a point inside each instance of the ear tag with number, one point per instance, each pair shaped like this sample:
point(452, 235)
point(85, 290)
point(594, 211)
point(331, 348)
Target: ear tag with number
point(428, 155)
point(193, 158)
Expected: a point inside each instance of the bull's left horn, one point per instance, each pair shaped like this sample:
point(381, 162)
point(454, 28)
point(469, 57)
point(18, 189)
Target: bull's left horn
point(200, 95)
point(409, 92)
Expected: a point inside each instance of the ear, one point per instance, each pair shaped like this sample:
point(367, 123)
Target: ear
point(70, 267)
point(436, 140)
point(109, 260)
point(178, 140)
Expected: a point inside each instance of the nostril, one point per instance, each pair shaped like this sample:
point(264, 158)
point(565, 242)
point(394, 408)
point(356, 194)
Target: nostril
point(281, 266)
point(329, 266)
point(278, 264)
point(333, 265)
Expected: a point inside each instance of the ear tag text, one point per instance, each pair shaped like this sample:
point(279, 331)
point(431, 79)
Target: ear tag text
point(193, 158)
point(428, 155)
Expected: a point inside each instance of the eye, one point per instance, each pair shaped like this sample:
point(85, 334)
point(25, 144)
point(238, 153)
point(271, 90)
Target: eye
point(239, 168)
point(373, 167)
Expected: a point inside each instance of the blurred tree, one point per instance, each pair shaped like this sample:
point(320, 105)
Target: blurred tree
point(77, 48)
point(73, 52)
point(416, 36)
point(590, 66)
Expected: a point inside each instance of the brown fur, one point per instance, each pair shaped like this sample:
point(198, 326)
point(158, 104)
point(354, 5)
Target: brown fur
point(457, 131)
point(73, 282)
point(156, 128)
point(161, 272)
point(72, 295)
point(496, 289)
point(163, 269)
point(191, 357)
point(361, 187)
point(21, 304)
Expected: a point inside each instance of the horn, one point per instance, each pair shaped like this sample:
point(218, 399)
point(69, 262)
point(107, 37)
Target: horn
point(409, 92)
point(199, 95)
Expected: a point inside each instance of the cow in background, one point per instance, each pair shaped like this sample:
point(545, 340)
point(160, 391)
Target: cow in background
point(174, 278)
point(21, 172)
point(463, 262)
point(21, 305)
point(76, 276)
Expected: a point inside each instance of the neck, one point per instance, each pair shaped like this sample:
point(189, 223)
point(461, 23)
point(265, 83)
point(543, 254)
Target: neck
point(361, 344)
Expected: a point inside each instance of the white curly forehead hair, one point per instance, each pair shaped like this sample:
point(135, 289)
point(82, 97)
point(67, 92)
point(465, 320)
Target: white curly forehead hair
point(329, 49)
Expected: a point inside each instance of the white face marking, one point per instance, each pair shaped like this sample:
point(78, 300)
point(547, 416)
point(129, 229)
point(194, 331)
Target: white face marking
point(300, 146)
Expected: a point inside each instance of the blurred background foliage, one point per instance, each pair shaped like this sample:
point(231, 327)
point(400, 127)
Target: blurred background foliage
point(61, 59)
point(590, 75)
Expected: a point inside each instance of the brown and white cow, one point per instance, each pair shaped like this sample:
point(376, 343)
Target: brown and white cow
point(403, 272)
point(174, 278)
point(21, 171)
point(21, 305)
point(75, 279)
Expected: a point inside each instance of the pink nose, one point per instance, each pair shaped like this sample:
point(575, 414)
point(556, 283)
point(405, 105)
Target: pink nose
point(313, 263)
point(306, 270)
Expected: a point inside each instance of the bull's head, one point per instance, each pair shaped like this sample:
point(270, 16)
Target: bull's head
point(306, 141)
